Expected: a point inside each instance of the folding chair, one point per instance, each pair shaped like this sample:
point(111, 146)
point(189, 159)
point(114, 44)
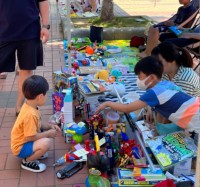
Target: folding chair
point(194, 49)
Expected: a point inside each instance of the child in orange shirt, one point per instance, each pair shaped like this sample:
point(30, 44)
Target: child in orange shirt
point(27, 140)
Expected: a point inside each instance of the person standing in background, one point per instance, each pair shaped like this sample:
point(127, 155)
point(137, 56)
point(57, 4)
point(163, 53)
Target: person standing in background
point(22, 31)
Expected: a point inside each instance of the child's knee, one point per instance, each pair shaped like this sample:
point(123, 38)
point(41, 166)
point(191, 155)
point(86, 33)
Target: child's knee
point(46, 143)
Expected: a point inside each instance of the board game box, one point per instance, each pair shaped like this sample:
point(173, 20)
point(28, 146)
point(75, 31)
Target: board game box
point(172, 148)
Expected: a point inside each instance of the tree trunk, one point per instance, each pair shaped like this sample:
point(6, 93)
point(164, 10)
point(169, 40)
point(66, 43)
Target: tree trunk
point(107, 12)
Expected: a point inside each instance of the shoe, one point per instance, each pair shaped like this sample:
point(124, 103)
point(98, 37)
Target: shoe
point(3, 75)
point(34, 166)
point(44, 156)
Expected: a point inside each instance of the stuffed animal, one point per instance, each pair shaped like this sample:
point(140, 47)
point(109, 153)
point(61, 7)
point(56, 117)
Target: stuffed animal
point(116, 73)
point(102, 74)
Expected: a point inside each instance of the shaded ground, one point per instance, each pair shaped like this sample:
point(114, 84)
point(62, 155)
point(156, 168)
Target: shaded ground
point(132, 21)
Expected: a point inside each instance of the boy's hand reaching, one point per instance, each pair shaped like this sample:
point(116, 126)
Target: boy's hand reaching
point(101, 107)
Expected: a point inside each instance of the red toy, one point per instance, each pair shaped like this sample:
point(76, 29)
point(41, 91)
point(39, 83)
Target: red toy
point(75, 65)
point(84, 62)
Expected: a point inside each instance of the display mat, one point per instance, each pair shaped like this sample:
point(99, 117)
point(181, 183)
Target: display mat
point(129, 81)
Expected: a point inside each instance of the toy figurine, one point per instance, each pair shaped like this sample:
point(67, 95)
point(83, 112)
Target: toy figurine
point(75, 65)
point(96, 125)
point(109, 128)
point(120, 127)
point(85, 62)
point(87, 145)
point(116, 73)
point(123, 161)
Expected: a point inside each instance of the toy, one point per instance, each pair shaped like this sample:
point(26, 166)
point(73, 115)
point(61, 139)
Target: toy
point(96, 125)
point(99, 52)
point(96, 140)
point(77, 130)
point(87, 145)
point(66, 158)
point(111, 79)
point(121, 127)
point(103, 75)
point(119, 87)
point(112, 117)
point(96, 180)
point(89, 50)
point(75, 65)
point(116, 73)
point(123, 161)
point(126, 147)
point(55, 119)
point(85, 62)
point(109, 153)
point(97, 164)
point(109, 128)
point(98, 160)
point(69, 170)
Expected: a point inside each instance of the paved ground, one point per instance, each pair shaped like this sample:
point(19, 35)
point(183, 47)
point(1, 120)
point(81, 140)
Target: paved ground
point(11, 175)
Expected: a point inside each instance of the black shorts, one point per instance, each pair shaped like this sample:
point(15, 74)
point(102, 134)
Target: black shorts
point(161, 28)
point(29, 54)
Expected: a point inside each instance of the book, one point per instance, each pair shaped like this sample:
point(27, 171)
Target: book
point(125, 178)
point(156, 178)
point(175, 30)
point(93, 86)
point(147, 172)
point(172, 148)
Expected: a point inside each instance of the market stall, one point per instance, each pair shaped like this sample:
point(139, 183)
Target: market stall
point(104, 72)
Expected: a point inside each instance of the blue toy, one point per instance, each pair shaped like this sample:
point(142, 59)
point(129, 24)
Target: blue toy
point(116, 73)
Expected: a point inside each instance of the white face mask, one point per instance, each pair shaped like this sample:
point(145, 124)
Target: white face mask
point(141, 83)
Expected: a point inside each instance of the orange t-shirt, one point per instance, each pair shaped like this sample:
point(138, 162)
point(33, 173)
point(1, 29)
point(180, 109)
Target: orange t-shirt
point(28, 123)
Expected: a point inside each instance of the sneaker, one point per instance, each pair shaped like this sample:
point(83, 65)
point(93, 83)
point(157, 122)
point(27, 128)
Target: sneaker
point(34, 166)
point(43, 156)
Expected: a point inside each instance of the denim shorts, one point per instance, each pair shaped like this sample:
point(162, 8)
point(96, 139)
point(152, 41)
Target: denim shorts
point(27, 150)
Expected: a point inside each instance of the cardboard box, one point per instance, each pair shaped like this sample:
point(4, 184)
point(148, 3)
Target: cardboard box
point(93, 102)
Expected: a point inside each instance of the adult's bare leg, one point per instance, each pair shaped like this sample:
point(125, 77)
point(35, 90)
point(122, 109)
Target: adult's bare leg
point(94, 5)
point(23, 75)
point(152, 41)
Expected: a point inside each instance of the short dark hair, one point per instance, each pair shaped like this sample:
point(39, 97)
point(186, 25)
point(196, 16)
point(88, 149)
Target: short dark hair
point(35, 85)
point(149, 65)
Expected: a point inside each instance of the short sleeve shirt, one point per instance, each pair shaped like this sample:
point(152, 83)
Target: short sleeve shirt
point(187, 79)
point(184, 13)
point(180, 108)
point(19, 20)
point(27, 124)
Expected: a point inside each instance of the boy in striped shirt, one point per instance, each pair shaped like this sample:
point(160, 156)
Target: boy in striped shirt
point(163, 96)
